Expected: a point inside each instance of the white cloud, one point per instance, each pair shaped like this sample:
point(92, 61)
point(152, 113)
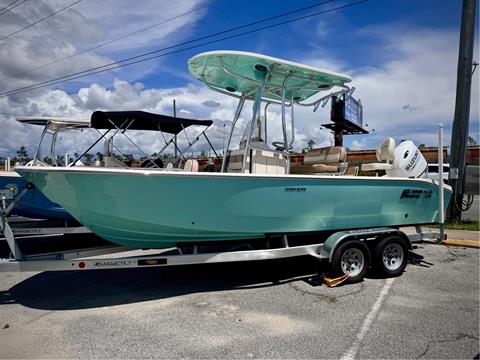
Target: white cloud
point(359, 144)
point(409, 95)
point(129, 17)
point(83, 26)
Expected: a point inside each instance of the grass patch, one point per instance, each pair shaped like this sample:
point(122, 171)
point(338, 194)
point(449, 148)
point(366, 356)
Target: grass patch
point(470, 225)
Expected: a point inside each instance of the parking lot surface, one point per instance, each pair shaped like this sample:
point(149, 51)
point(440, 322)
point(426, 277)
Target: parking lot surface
point(270, 309)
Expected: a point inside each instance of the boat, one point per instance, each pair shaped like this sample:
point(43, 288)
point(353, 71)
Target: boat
point(258, 193)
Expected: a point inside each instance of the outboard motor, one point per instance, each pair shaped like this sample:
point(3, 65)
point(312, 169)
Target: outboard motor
point(409, 161)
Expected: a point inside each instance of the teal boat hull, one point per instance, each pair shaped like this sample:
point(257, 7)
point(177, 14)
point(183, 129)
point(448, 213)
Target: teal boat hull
point(158, 209)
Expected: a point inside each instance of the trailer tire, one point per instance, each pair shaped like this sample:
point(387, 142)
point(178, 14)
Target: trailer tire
point(390, 256)
point(352, 258)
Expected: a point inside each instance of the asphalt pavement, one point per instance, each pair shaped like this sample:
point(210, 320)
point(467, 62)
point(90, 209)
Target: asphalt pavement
point(270, 309)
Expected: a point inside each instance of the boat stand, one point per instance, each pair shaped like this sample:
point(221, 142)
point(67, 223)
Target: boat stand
point(11, 228)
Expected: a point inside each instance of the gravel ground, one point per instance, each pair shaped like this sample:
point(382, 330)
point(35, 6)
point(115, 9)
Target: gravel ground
point(271, 309)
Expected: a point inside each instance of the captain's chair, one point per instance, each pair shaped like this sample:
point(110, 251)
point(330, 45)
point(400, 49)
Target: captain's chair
point(385, 152)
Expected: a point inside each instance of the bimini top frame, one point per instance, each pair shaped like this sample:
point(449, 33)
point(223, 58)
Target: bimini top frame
point(249, 76)
point(120, 121)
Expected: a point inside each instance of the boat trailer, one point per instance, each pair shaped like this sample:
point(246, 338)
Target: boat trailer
point(95, 258)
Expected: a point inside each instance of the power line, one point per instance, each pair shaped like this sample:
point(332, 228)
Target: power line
point(173, 46)
point(9, 7)
point(6, 7)
point(109, 42)
point(118, 64)
point(38, 21)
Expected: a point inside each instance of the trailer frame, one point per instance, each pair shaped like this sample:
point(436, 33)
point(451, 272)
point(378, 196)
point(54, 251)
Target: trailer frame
point(88, 258)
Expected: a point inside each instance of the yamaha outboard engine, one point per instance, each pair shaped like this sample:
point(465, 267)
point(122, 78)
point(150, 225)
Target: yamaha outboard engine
point(409, 161)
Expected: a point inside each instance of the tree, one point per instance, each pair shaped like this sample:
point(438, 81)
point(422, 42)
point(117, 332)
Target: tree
point(99, 156)
point(22, 155)
point(47, 160)
point(471, 141)
point(88, 157)
point(421, 146)
point(310, 145)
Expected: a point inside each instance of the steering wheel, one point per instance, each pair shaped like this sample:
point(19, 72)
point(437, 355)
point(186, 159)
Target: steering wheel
point(147, 163)
point(280, 145)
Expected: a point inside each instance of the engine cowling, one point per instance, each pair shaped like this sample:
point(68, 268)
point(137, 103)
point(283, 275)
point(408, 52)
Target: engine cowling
point(409, 161)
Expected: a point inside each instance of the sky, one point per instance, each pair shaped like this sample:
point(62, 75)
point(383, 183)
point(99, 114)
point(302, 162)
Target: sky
point(401, 54)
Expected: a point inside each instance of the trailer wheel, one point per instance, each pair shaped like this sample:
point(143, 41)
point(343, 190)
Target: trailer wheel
point(390, 256)
point(352, 258)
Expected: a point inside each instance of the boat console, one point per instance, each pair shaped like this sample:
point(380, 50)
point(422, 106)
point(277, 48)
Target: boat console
point(259, 160)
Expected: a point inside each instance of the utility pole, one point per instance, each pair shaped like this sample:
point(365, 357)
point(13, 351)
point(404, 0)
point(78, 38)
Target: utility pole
point(175, 115)
point(462, 109)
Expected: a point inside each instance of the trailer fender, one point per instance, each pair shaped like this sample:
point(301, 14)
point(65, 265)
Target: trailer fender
point(334, 240)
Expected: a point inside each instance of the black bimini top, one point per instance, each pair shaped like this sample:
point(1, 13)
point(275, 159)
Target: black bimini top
point(141, 120)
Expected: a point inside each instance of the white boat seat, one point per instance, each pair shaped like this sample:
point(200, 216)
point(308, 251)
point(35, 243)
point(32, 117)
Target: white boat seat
point(325, 155)
point(386, 153)
point(191, 165)
point(313, 169)
point(322, 160)
point(377, 167)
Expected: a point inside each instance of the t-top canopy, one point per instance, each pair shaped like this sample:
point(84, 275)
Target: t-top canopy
point(141, 120)
point(244, 72)
point(55, 123)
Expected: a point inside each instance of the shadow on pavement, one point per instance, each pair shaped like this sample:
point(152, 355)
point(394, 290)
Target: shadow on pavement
point(67, 290)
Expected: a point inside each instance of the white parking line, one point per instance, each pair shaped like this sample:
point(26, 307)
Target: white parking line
point(352, 352)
